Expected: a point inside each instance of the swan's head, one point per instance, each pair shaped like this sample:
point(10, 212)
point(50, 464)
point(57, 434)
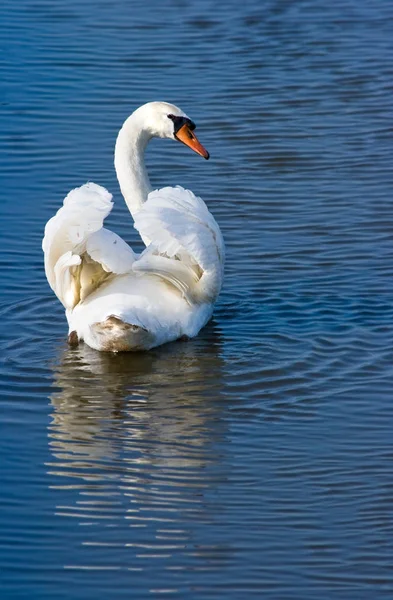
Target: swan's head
point(166, 120)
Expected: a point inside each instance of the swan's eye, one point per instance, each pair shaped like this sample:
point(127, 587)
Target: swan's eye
point(178, 123)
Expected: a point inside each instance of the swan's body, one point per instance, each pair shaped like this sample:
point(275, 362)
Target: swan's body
point(116, 300)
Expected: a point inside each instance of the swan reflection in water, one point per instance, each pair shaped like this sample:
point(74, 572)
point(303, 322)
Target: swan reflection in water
point(137, 437)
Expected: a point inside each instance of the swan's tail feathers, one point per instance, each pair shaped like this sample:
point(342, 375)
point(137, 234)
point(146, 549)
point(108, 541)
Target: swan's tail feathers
point(182, 229)
point(115, 335)
point(79, 254)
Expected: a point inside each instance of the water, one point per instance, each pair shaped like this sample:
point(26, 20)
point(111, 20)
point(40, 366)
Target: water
point(256, 460)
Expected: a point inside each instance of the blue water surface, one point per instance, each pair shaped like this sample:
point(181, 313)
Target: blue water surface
point(255, 461)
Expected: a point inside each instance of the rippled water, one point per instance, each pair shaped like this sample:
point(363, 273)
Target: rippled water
point(255, 461)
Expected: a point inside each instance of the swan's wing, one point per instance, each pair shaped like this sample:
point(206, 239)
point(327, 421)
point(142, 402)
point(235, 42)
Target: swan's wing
point(186, 246)
point(182, 276)
point(79, 253)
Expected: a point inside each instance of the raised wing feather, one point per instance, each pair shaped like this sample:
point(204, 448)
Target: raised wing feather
point(79, 253)
point(185, 233)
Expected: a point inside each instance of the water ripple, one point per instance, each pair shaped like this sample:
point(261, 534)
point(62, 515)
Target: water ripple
point(255, 460)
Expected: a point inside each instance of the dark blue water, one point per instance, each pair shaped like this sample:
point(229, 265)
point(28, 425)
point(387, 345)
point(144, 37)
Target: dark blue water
point(255, 461)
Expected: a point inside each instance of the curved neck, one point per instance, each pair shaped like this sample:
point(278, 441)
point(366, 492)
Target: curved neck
point(130, 164)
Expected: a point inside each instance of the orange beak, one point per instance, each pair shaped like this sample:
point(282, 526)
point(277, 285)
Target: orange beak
point(188, 137)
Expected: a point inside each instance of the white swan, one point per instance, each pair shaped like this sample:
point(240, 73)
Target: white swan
point(116, 300)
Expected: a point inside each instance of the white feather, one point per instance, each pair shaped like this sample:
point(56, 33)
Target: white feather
point(74, 237)
point(180, 225)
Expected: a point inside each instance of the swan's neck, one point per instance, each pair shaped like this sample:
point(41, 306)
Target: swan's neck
point(130, 164)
